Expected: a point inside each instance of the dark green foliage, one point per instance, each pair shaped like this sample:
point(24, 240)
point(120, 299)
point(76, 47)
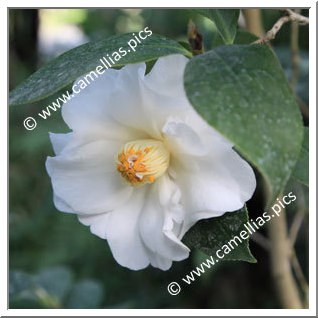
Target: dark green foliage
point(251, 104)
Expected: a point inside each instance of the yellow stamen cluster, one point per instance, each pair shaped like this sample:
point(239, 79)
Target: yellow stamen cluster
point(142, 161)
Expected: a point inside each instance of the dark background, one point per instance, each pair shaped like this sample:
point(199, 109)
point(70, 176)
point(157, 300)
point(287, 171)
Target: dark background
point(55, 262)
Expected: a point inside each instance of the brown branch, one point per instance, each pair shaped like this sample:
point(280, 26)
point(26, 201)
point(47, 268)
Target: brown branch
point(295, 16)
point(291, 16)
point(300, 277)
point(293, 232)
point(298, 219)
point(286, 287)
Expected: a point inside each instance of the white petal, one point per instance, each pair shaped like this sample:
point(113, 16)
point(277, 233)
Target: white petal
point(120, 228)
point(159, 261)
point(90, 111)
point(131, 109)
point(59, 141)
point(193, 136)
point(86, 179)
point(166, 76)
point(97, 223)
point(148, 103)
point(182, 139)
point(61, 205)
point(212, 177)
point(143, 230)
point(158, 229)
point(162, 90)
point(220, 183)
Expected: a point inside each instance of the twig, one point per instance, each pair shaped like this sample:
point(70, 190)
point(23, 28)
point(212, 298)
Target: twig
point(300, 277)
point(287, 290)
point(296, 226)
point(293, 232)
point(291, 16)
point(295, 16)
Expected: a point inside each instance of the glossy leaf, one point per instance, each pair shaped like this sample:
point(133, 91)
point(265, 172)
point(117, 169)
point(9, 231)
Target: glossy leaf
point(63, 70)
point(242, 91)
point(213, 234)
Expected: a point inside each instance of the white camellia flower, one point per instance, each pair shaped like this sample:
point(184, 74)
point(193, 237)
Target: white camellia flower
point(141, 167)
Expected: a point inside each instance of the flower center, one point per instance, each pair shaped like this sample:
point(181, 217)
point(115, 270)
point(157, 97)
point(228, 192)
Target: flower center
point(142, 161)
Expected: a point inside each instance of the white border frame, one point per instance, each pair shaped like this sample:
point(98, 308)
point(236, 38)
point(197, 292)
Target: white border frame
point(164, 312)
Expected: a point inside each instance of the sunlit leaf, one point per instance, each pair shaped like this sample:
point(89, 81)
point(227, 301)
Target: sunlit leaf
point(63, 70)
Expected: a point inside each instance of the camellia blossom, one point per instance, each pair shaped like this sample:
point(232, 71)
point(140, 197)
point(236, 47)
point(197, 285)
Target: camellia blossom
point(141, 167)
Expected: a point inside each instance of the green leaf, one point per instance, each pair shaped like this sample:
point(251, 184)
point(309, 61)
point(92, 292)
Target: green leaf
point(225, 20)
point(301, 170)
point(242, 91)
point(86, 294)
point(186, 45)
point(150, 65)
point(213, 234)
point(63, 70)
point(244, 37)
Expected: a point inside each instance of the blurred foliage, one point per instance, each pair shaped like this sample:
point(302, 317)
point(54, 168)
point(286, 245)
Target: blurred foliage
point(53, 287)
point(55, 262)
